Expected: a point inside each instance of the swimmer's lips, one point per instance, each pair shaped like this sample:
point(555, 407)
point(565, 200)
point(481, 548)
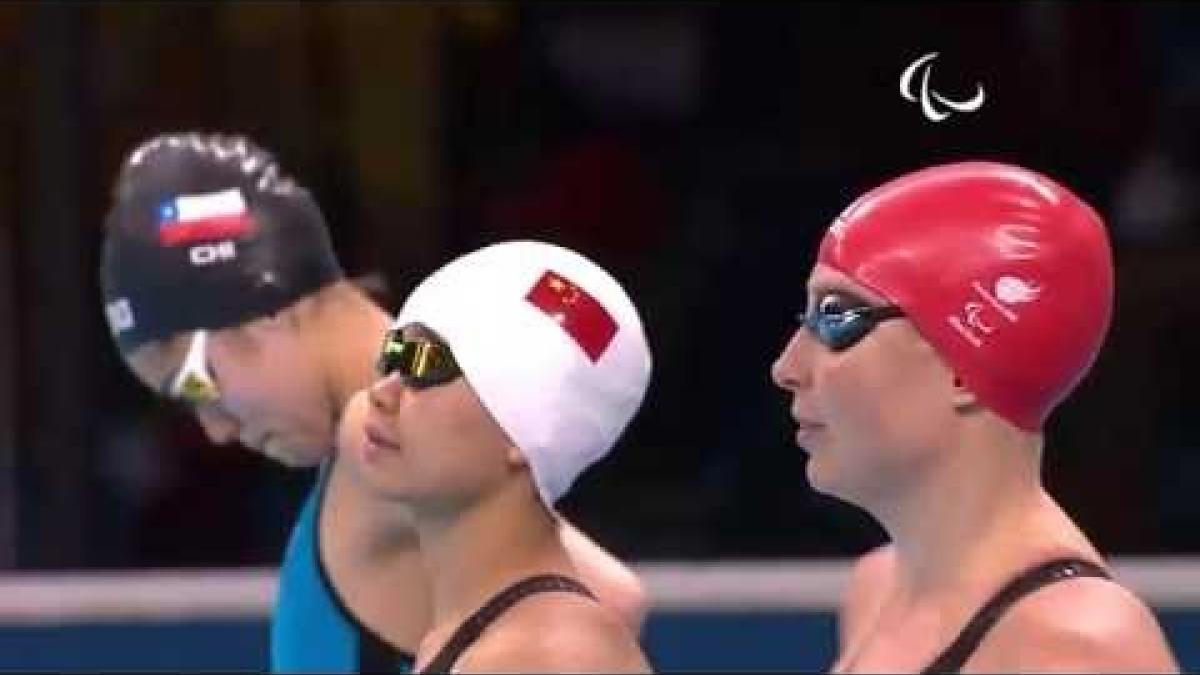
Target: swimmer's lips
point(806, 428)
point(380, 440)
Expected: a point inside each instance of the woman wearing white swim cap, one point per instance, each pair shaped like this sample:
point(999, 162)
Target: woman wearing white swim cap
point(507, 373)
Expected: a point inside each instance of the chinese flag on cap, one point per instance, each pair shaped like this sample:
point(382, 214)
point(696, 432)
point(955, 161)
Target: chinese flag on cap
point(584, 319)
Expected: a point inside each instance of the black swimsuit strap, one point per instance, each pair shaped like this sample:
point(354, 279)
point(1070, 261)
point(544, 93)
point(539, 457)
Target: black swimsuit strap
point(954, 656)
point(375, 654)
point(473, 627)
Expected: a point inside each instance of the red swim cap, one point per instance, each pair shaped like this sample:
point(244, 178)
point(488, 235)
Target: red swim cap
point(1005, 272)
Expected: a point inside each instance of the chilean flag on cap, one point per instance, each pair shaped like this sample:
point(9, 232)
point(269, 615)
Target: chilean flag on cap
point(188, 219)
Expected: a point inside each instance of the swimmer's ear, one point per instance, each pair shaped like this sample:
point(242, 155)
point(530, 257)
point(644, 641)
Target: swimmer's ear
point(284, 319)
point(288, 317)
point(515, 458)
point(266, 327)
point(963, 399)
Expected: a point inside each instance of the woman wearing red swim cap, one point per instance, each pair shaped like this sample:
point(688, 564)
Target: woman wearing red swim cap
point(950, 310)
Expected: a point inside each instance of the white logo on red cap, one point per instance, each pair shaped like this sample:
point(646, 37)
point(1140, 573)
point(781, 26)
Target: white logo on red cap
point(1015, 291)
point(1017, 242)
point(972, 322)
point(974, 314)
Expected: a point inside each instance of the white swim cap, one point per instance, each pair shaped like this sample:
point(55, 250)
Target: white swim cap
point(551, 344)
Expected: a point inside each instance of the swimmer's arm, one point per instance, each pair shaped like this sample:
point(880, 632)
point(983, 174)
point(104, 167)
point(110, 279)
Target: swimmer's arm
point(564, 640)
point(1082, 626)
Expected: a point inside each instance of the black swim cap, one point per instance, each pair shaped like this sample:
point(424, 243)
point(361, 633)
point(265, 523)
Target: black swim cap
point(206, 231)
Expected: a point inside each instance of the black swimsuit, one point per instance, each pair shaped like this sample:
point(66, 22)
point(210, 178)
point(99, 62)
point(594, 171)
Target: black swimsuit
point(473, 627)
point(968, 640)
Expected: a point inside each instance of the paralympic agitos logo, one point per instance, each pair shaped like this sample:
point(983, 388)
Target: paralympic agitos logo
point(934, 106)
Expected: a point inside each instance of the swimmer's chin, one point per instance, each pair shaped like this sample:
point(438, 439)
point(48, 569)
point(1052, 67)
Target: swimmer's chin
point(295, 458)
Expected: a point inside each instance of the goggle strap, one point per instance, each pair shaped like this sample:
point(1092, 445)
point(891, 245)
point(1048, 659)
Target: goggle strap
point(193, 372)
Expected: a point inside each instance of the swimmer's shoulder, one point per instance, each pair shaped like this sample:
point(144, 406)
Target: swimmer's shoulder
point(1087, 624)
point(556, 633)
point(615, 584)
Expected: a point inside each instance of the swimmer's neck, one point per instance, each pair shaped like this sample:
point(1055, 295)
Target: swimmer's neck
point(475, 553)
point(979, 508)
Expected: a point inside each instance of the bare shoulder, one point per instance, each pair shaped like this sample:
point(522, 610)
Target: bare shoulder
point(869, 576)
point(615, 584)
point(556, 633)
point(1082, 625)
point(874, 567)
